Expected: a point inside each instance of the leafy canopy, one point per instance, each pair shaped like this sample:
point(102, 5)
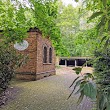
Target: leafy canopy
point(78, 36)
point(17, 17)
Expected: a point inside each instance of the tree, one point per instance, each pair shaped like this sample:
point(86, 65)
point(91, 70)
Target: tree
point(68, 23)
point(100, 17)
point(16, 19)
point(77, 35)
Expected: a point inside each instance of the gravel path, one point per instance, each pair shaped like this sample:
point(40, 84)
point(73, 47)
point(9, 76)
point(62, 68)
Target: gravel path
point(50, 93)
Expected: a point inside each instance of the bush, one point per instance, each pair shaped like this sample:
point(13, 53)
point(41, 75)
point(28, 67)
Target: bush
point(86, 83)
point(102, 73)
point(10, 60)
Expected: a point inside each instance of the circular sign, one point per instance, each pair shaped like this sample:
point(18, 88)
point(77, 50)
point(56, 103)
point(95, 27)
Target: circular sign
point(21, 46)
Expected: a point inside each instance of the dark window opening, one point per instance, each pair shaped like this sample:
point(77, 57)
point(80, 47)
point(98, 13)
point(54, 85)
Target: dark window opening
point(50, 55)
point(70, 62)
point(62, 62)
point(45, 55)
point(81, 62)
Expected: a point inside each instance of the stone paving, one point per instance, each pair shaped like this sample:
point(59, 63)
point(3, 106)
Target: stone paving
point(50, 93)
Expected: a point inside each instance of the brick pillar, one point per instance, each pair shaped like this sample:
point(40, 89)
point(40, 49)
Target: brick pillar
point(28, 71)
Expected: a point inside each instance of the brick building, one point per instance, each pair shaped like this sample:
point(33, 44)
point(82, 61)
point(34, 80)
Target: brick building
point(41, 62)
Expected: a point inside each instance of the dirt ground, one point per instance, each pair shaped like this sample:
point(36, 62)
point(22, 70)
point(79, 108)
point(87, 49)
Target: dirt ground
point(50, 93)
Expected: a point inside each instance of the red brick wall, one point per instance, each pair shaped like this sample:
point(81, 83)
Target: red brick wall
point(35, 63)
point(41, 67)
point(31, 52)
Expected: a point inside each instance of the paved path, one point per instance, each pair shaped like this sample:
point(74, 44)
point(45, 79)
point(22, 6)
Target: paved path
point(50, 93)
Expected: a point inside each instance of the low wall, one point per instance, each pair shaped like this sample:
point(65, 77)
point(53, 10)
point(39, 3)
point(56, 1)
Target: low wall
point(34, 76)
point(45, 74)
point(26, 76)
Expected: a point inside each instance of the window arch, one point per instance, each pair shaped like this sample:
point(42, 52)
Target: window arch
point(45, 54)
point(50, 55)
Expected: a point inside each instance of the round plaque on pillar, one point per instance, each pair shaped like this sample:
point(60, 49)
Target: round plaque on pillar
point(21, 46)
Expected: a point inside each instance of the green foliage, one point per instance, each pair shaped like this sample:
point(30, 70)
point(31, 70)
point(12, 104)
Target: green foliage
point(16, 19)
point(94, 15)
point(68, 22)
point(86, 87)
point(86, 82)
point(77, 70)
point(79, 38)
point(100, 18)
point(12, 21)
point(45, 14)
point(85, 42)
point(9, 61)
point(102, 69)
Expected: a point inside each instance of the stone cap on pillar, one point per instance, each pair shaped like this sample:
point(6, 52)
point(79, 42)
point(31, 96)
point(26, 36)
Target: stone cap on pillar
point(35, 29)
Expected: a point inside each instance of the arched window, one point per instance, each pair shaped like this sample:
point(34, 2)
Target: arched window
point(50, 55)
point(45, 55)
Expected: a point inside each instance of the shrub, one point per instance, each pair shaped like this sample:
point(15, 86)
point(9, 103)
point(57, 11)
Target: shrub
point(86, 82)
point(102, 73)
point(10, 60)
